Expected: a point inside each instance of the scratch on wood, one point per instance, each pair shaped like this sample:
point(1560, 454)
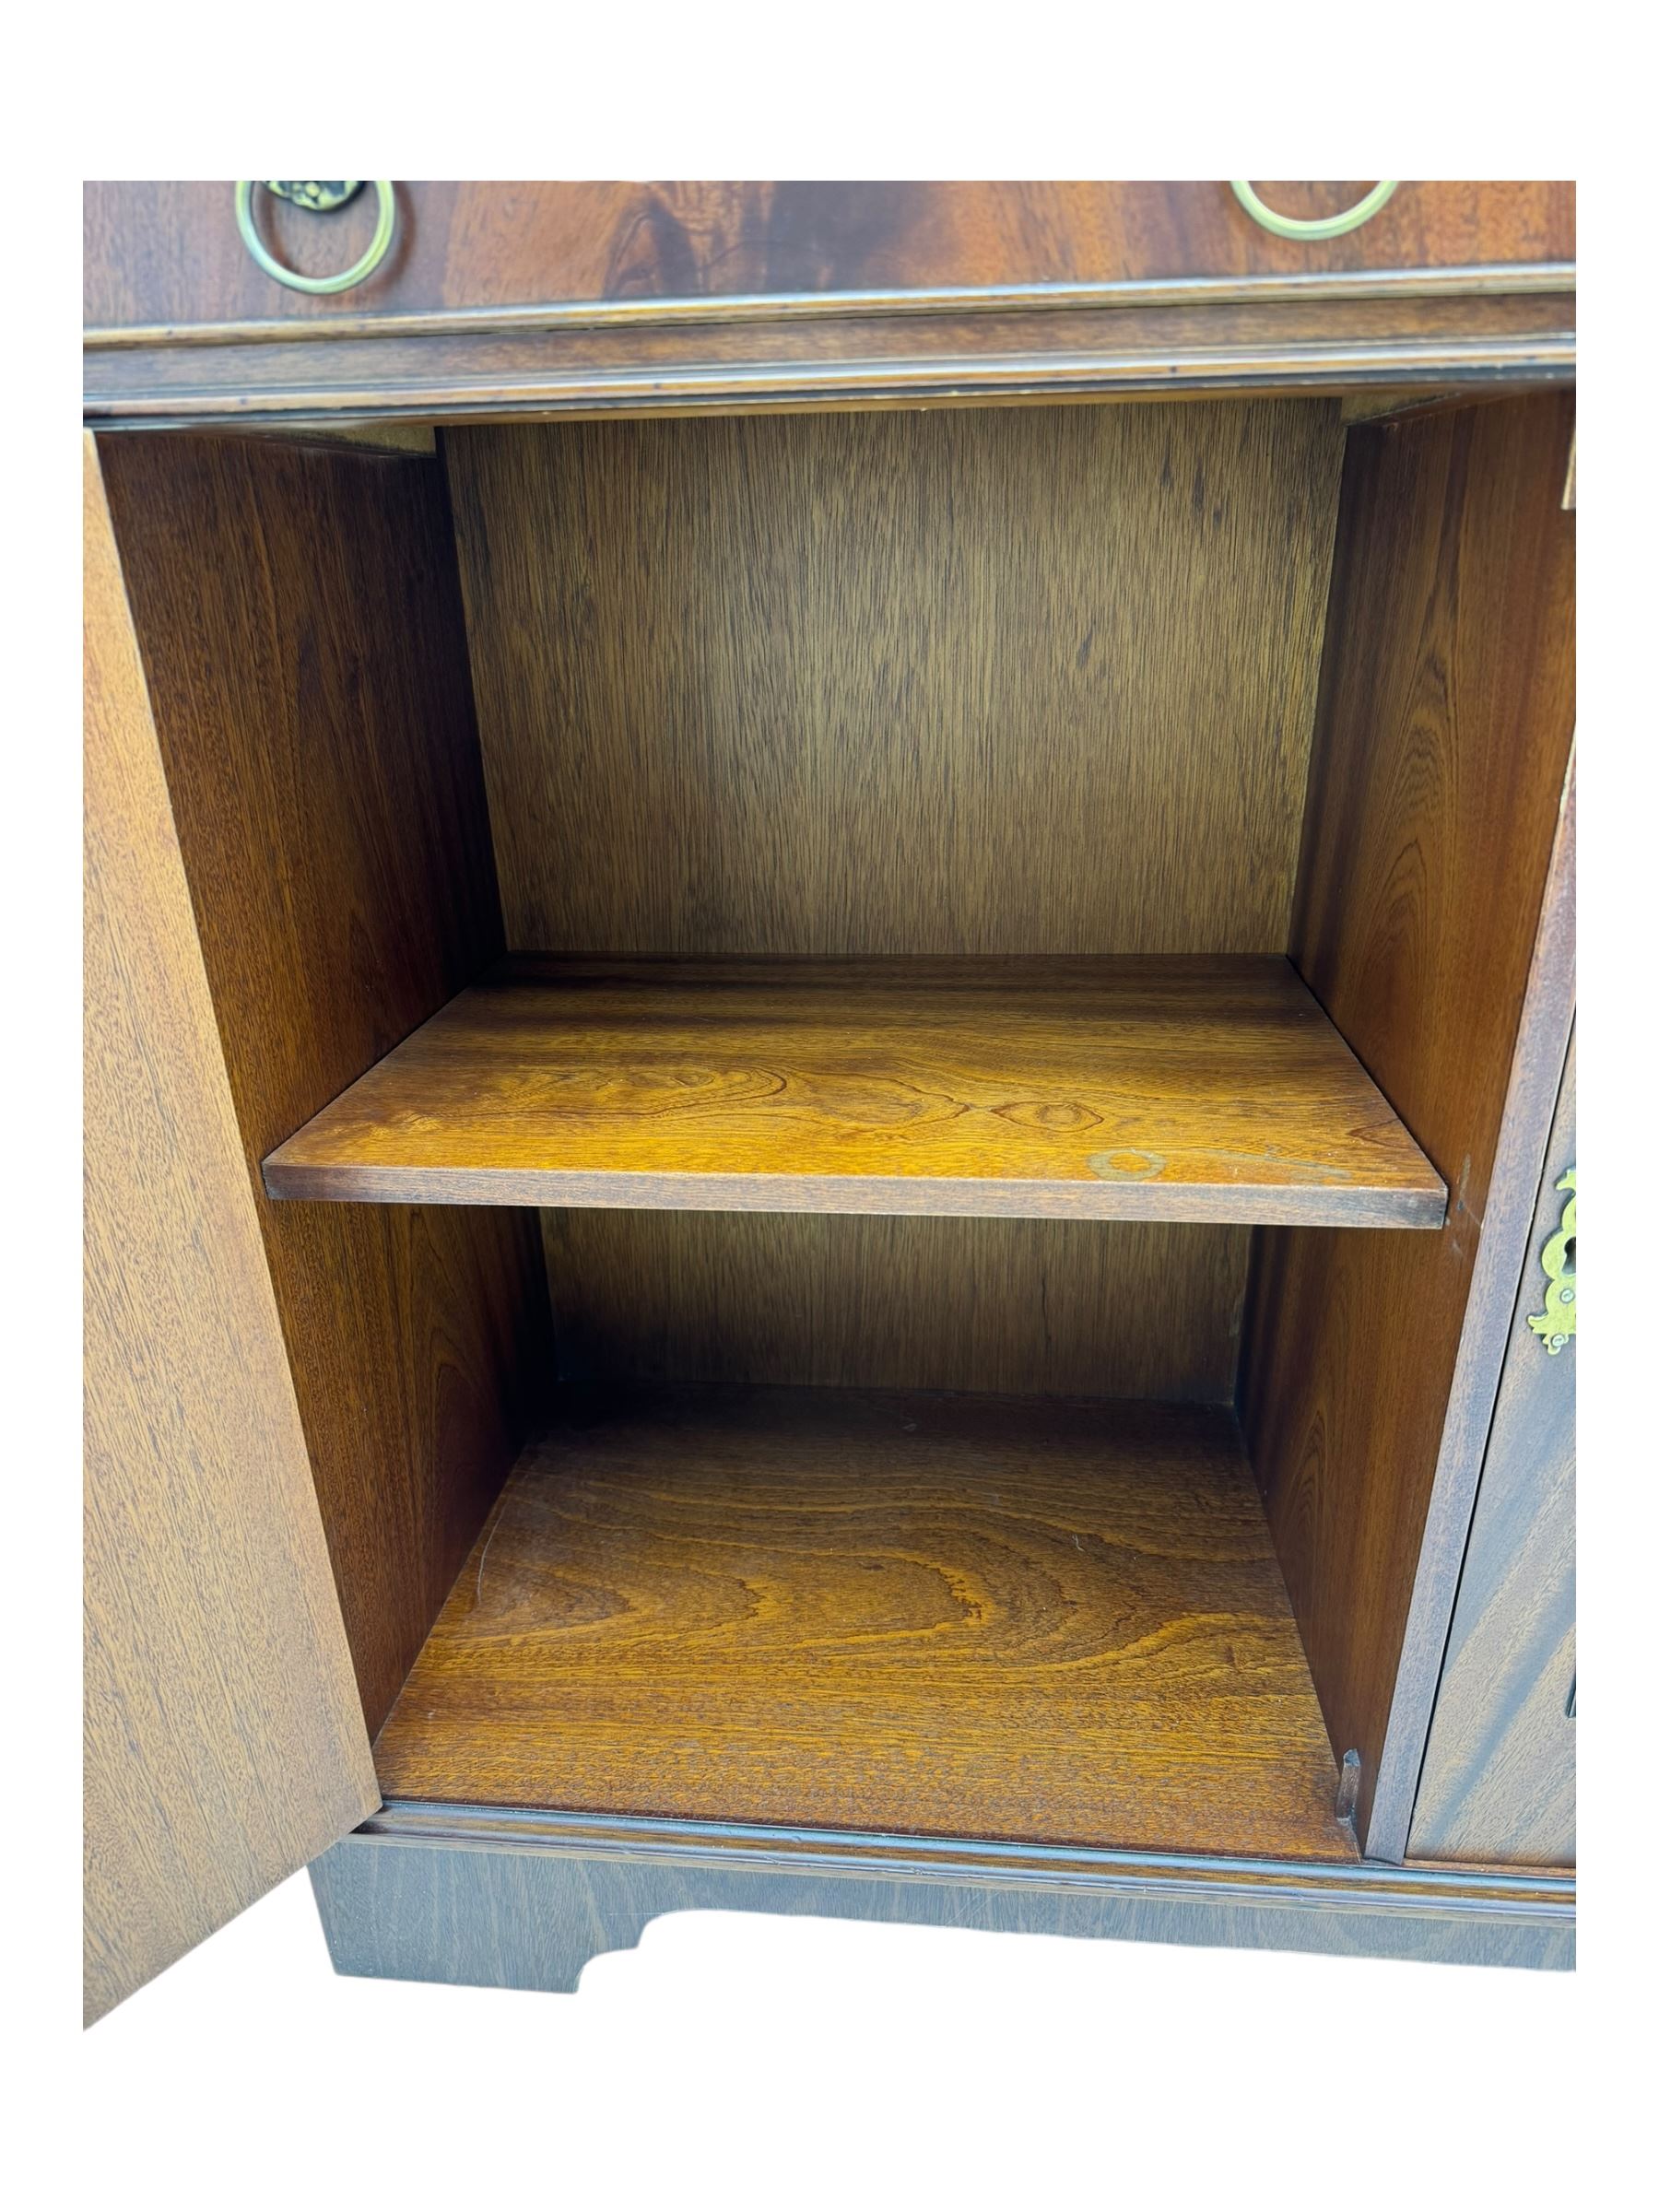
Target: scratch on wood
point(1130, 1166)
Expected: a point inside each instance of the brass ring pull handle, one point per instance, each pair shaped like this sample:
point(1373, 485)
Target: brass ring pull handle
point(1330, 226)
point(319, 197)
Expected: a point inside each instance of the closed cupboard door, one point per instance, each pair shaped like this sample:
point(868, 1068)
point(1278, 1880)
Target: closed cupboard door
point(224, 1744)
point(1498, 1777)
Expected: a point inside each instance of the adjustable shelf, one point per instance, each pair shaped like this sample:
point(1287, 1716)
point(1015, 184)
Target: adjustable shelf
point(1040, 1620)
point(1149, 1088)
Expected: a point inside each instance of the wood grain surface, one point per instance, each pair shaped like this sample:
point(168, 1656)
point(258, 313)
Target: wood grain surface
point(1434, 805)
point(435, 1893)
point(1497, 1781)
point(1038, 681)
point(224, 1743)
point(1083, 1309)
point(1139, 1089)
point(552, 365)
point(300, 626)
point(167, 252)
point(937, 1615)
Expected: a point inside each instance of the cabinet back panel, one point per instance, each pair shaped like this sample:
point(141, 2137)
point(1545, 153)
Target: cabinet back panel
point(301, 627)
point(1087, 1309)
point(1032, 680)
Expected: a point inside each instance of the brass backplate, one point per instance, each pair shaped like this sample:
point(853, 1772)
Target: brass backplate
point(322, 199)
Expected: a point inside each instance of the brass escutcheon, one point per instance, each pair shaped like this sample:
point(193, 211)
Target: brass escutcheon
point(1558, 1259)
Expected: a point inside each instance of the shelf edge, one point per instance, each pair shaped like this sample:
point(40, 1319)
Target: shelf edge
point(983, 1198)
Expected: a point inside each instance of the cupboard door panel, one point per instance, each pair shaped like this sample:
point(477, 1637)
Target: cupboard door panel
point(299, 618)
point(1498, 1777)
point(224, 1744)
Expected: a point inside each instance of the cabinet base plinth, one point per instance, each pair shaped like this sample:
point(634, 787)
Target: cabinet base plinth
point(524, 1901)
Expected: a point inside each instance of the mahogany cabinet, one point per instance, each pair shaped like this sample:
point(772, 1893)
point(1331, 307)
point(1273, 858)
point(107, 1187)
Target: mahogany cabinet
point(830, 969)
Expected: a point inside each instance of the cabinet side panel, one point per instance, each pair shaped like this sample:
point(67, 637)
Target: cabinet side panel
point(224, 1744)
point(1497, 1779)
point(1431, 849)
point(300, 621)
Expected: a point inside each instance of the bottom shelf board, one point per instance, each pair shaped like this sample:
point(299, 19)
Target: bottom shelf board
point(1040, 1620)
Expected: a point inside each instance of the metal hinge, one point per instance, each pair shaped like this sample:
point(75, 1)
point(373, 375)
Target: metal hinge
point(1347, 1787)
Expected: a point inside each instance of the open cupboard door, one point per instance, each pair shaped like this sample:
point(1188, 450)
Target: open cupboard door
point(225, 1740)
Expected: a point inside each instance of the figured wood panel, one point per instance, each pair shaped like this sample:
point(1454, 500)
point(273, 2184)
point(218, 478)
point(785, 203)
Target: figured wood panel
point(300, 626)
point(1498, 1778)
point(224, 1743)
point(162, 253)
point(1148, 1089)
point(1028, 681)
point(1435, 807)
point(1085, 1309)
point(952, 1616)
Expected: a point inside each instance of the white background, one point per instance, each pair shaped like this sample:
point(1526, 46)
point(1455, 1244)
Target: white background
point(744, 2060)
point(797, 2063)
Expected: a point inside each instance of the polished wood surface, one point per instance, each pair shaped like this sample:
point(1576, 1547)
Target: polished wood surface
point(1497, 1781)
point(168, 253)
point(980, 683)
point(1085, 1309)
point(543, 298)
point(300, 625)
point(631, 363)
point(1126, 1090)
point(1031, 1620)
point(224, 1743)
point(436, 1893)
point(1434, 805)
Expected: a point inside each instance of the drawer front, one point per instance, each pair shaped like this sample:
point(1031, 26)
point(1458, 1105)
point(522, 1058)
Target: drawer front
point(1498, 1777)
point(170, 252)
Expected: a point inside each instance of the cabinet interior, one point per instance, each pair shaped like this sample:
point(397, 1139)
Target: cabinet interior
point(869, 1045)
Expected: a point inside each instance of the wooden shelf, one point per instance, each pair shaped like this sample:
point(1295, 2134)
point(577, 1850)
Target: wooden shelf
point(1032, 1620)
point(1170, 1089)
